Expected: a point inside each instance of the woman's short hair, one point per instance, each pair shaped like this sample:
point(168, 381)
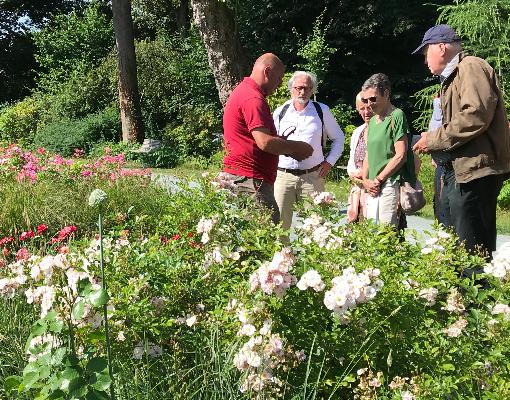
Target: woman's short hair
point(358, 101)
point(379, 81)
point(309, 75)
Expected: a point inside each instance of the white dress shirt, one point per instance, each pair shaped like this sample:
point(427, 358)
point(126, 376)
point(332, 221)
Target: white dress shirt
point(309, 129)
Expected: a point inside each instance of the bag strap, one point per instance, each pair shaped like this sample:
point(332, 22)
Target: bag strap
point(320, 113)
point(282, 113)
point(318, 108)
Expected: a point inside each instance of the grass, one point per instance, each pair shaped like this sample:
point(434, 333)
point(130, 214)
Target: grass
point(338, 184)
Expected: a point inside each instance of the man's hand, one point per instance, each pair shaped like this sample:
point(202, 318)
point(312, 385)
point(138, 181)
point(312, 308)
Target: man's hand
point(421, 145)
point(299, 150)
point(324, 169)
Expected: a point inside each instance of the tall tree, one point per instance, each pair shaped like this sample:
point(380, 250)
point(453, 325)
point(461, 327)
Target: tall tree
point(227, 57)
point(18, 19)
point(129, 99)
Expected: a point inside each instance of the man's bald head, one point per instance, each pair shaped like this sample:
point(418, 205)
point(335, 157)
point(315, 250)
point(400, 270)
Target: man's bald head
point(268, 60)
point(268, 72)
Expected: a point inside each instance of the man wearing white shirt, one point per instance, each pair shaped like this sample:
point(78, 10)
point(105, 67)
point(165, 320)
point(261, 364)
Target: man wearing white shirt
point(300, 119)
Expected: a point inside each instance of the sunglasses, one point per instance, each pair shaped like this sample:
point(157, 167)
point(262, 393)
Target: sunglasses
point(300, 88)
point(372, 99)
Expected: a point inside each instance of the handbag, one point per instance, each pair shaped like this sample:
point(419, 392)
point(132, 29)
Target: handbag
point(412, 199)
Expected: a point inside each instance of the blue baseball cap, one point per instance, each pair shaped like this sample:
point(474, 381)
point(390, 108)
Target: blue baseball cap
point(438, 34)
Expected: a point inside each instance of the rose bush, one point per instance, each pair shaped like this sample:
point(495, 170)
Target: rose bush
point(205, 302)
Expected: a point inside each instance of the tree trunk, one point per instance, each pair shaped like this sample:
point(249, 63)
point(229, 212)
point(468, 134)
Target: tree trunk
point(227, 57)
point(129, 100)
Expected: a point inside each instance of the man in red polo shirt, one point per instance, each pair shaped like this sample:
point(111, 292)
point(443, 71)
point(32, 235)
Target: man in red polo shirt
point(251, 142)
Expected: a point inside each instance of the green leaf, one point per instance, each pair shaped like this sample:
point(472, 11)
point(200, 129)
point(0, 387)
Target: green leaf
point(103, 382)
point(58, 356)
point(56, 326)
point(448, 367)
point(97, 364)
point(96, 395)
point(98, 297)
point(12, 383)
point(84, 287)
point(56, 395)
point(30, 379)
point(68, 376)
point(78, 387)
point(39, 328)
point(79, 310)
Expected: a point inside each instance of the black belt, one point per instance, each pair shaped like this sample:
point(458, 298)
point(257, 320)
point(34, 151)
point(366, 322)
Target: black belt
point(299, 171)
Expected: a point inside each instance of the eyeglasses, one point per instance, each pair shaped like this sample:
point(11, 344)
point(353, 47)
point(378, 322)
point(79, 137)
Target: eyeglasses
point(300, 88)
point(287, 132)
point(372, 99)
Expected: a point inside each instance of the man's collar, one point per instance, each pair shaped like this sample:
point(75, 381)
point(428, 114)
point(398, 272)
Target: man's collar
point(450, 67)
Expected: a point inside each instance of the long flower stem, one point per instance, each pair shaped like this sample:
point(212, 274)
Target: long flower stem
point(105, 306)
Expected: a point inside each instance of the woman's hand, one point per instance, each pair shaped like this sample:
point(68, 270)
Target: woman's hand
point(373, 186)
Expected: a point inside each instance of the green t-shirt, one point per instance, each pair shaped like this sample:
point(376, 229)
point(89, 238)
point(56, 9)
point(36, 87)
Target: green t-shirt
point(381, 141)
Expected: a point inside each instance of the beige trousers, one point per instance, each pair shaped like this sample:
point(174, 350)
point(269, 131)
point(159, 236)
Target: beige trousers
point(289, 188)
point(384, 208)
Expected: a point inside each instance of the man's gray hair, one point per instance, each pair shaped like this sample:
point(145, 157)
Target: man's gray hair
point(309, 75)
point(379, 81)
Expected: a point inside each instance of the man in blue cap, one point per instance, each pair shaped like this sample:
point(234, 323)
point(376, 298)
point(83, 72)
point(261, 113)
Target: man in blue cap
point(473, 140)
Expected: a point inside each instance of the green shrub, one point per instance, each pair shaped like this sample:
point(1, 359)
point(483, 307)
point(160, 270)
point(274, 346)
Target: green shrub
point(18, 123)
point(504, 196)
point(174, 80)
point(65, 136)
point(199, 135)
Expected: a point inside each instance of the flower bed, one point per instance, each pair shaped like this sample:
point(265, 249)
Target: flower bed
point(204, 302)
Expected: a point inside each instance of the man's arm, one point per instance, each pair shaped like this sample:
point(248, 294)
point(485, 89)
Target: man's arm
point(278, 146)
point(337, 136)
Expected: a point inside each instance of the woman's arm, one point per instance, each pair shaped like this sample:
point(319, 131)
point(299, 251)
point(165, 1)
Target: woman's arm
point(396, 162)
point(373, 187)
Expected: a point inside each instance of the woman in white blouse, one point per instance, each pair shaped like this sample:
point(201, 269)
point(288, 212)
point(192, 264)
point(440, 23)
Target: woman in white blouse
point(356, 208)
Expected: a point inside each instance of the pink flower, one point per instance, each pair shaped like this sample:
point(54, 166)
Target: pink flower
point(78, 153)
point(41, 229)
point(22, 254)
point(86, 173)
point(26, 235)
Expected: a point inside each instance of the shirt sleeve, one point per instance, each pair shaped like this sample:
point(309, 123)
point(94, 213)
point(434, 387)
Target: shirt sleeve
point(335, 133)
point(400, 127)
point(256, 114)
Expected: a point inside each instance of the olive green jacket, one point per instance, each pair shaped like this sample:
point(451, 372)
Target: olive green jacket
point(475, 127)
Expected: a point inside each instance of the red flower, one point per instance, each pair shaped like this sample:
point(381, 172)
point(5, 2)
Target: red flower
point(6, 240)
point(190, 234)
point(64, 233)
point(176, 236)
point(41, 229)
point(26, 235)
point(5, 251)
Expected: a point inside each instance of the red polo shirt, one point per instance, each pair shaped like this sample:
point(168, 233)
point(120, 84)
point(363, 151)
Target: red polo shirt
point(246, 110)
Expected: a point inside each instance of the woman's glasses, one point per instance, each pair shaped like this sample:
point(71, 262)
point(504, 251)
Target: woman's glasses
point(372, 99)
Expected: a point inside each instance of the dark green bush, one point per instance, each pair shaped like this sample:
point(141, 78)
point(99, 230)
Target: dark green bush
point(65, 136)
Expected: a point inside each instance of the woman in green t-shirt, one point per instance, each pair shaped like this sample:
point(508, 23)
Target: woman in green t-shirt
point(389, 157)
